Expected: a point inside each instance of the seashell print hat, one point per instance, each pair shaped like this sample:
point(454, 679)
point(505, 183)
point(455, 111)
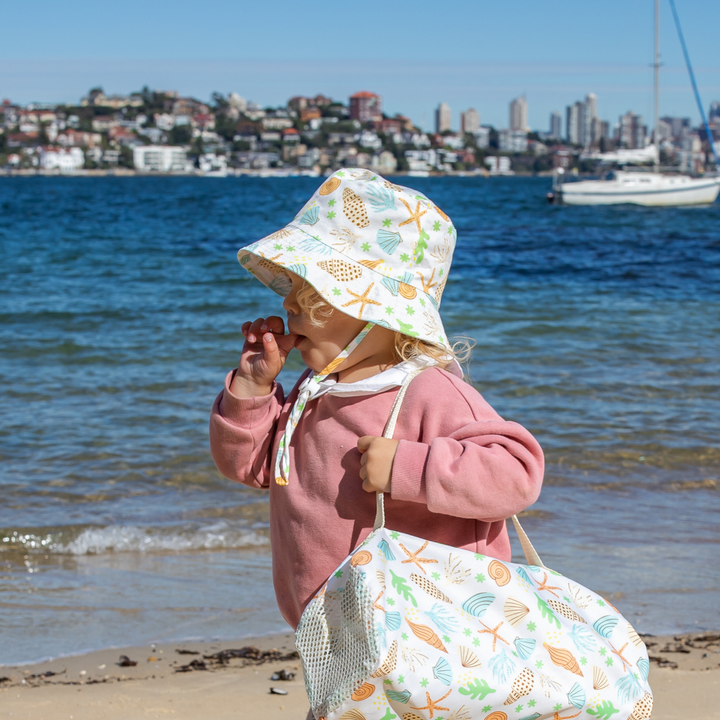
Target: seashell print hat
point(374, 250)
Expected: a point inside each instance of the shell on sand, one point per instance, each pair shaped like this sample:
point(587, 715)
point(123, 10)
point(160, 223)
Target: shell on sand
point(564, 659)
point(363, 692)
point(390, 662)
point(600, 681)
point(499, 573)
point(643, 708)
point(362, 557)
point(468, 658)
point(515, 611)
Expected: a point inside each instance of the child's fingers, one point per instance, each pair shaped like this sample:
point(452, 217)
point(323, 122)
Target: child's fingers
point(274, 324)
point(364, 442)
point(286, 342)
point(254, 331)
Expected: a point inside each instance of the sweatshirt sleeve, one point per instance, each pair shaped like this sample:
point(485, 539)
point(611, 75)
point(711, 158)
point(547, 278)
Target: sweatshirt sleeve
point(467, 461)
point(242, 431)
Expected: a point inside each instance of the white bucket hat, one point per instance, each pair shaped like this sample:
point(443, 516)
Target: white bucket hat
point(371, 249)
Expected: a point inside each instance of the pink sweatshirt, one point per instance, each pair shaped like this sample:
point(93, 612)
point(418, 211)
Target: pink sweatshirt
point(459, 471)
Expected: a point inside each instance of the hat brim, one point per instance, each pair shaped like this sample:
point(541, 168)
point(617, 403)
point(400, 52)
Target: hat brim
point(373, 292)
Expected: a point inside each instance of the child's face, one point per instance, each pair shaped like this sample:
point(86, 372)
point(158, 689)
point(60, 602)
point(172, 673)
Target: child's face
point(319, 346)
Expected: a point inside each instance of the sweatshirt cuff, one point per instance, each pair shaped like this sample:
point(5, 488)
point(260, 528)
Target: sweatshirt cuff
point(246, 411)
point(408, 472)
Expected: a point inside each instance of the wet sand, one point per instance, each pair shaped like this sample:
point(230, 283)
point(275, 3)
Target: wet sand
point(194, 681)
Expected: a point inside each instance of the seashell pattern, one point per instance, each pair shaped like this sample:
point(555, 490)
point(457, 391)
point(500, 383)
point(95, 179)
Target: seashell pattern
point(566, 611)
point(371, 264)
point(329, 186)
point(605, 625)
point(522, 685)
point(599, 678)
point(577, 696)
point(311, 216)
point(499, 573)
point(634, 637)
point(497, 715)
point(363, 692)
point(563, 658)
point(354, 208)
point(353, 715)
point(388, 241)
point(411, 716)
point(642, 708)
point(515, 611)
point(442, 671)
point(524, 647)
point(361, 557)
point(429, 588)
point(390, 662)
point(342, 271)
point(468, 659)
point(477, 605)
point(426, 634)
point(426, 626)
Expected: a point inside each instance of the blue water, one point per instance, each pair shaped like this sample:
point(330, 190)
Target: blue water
point(121, 303)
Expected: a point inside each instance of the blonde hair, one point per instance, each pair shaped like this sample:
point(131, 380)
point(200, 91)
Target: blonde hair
point(406, 347)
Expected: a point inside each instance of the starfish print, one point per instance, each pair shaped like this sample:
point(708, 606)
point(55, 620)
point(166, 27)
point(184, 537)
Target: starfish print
point(494, 633)
point(375, 604)
point(549, 588)
point(362, 299)
point(619, 654)
point(413, 557)
point(432, 705)
point(557, 716)
point(414, 216)
point(430, 284)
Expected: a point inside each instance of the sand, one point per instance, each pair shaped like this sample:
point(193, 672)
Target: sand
point(685, 677)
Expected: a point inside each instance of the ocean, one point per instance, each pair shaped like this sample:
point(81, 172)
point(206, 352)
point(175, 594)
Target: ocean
point(121, 302)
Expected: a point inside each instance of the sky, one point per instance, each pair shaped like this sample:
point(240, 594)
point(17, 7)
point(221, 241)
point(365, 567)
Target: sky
point(467, 53)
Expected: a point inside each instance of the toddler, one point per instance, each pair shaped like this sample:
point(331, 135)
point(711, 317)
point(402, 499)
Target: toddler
point(362, 268)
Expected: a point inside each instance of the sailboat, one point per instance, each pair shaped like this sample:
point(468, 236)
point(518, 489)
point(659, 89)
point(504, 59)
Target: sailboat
point(638, 187)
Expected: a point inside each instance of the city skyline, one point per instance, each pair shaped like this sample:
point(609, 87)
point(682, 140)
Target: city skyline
point(550, 57)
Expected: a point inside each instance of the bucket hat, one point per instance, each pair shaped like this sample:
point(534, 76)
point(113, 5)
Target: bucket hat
point(372, 249)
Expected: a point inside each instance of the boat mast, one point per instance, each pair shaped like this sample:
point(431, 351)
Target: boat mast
point(656, 65)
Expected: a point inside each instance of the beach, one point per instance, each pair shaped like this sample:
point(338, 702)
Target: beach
point(684, 676)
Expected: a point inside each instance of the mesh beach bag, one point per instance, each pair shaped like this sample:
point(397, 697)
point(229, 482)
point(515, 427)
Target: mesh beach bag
point(414, 630)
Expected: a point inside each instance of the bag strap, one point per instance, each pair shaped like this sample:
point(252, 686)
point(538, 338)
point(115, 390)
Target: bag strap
point(531, 554)
point(389, 430)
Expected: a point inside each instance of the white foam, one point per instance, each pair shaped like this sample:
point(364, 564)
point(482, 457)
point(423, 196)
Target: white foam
point(133, 538)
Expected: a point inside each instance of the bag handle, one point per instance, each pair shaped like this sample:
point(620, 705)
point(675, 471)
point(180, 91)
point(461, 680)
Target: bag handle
point(529, 551)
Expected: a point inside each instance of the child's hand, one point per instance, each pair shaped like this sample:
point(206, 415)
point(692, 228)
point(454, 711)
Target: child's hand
point(376, 463)
point(263, 355)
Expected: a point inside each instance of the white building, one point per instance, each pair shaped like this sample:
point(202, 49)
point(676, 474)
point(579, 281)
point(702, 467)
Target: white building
point(456, 142)
point(555, 125)
point(421, 160)
point(276, 123)
point(384, 163)
point(470, 121)
point(62, 159)
point(159, 158)
point(443, 118)
point(369, 139)
point(499, 165)
point(165, 121)
point(518, 114)
point(512, 140)
point(482, 137)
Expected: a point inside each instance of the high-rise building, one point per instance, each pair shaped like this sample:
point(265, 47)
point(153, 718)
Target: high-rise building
point(365, 107)
point(631, 131)
point(588, 114)
point(518, 114)
point(470, 121)
point(572, 123)
point(555, 125)
point(714, 114)
point(443, 118)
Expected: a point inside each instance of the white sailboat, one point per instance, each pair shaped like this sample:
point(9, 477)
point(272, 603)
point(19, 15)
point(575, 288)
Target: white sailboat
point(637, 187)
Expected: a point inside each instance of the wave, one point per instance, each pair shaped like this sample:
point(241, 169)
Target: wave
point(132, 538)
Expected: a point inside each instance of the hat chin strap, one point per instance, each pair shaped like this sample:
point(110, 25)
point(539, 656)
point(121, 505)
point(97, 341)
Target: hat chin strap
point(306, 392)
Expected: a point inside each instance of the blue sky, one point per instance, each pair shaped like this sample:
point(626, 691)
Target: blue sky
point(466, 53)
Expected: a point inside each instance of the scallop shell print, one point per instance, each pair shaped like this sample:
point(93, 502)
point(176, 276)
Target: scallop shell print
point(353, 715)
point(600, 680)
point(478, 604)
point(605, 625)
point(468, 658)
point(515, 611)
point(443, 672)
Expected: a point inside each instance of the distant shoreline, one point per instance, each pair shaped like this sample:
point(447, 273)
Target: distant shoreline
point(127, 172)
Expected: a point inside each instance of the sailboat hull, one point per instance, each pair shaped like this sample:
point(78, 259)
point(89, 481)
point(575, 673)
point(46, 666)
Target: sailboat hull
point(659, 191)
